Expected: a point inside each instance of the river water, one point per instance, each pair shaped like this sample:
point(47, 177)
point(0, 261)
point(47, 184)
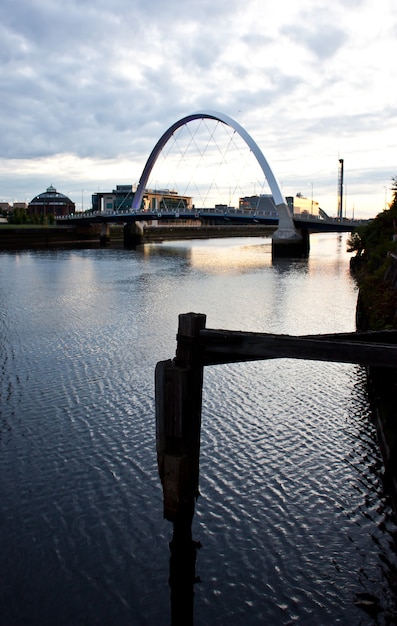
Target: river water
point(293, 520)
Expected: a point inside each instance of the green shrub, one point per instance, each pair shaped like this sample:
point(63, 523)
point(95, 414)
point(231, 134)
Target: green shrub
point(372, 244)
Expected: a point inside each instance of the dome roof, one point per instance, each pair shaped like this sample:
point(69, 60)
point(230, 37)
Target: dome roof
point(51, 196)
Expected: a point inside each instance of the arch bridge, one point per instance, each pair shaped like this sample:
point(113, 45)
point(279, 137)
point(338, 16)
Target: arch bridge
point(286, 234)
point(291, 235)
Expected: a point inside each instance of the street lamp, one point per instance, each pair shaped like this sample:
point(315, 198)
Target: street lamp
point(82, 199)
point(311, 210)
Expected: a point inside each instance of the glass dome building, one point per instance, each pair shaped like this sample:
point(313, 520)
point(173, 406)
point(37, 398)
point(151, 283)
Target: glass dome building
point(51, 202)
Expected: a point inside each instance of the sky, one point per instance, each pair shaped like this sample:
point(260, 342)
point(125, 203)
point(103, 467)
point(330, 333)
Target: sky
point(89, 86)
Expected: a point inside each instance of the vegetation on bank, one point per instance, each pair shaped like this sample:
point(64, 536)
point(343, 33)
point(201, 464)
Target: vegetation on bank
point(21, 217)
point(374, 269)
point(12, 227)
point(373, 243)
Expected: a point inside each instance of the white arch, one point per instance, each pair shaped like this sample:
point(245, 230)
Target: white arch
point(286, 228)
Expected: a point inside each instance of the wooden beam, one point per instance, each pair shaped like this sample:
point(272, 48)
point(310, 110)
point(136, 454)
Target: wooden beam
point(224, 346)
point(179, 385)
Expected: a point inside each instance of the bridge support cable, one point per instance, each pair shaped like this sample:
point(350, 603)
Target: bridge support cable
point(220, 117)
point(286, 234)
point(184, 153)
point(202, 149)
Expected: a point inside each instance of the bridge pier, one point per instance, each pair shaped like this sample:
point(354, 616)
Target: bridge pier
point(104, 237)
point(133, 234)
point(285, 244)
point(287, 241)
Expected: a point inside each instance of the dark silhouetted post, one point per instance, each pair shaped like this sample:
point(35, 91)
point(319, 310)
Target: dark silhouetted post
point(179, 384)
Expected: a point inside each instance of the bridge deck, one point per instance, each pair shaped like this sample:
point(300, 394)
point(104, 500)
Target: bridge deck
point(228, 216)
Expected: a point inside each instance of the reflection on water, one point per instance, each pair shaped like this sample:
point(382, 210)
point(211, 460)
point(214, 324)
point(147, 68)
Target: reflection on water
point(212, 257)
point(293, 520)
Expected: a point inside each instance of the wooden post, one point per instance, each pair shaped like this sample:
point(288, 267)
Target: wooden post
point(179, 386)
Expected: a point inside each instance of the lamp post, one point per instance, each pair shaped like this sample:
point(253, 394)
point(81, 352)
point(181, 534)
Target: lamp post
point(82, 199)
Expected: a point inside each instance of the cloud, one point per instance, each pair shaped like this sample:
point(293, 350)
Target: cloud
point(96, 83)
point(323, 40)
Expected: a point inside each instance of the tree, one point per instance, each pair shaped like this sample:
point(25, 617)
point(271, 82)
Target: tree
point(355, 243)
point(19, 216)
point(373, 243)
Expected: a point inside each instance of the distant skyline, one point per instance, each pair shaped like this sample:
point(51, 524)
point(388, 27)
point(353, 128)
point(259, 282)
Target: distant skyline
point(88, 87)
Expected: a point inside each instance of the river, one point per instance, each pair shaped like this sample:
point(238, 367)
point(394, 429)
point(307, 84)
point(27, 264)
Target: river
point(293, 519)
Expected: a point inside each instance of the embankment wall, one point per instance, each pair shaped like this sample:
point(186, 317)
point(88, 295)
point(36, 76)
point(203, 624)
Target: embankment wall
point(20, 237)
point(382, 387)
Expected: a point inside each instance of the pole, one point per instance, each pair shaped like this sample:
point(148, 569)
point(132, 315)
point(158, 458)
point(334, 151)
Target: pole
point(340, 190)
point(179, 385)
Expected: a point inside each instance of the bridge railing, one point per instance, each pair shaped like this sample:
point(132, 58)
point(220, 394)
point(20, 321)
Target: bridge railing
point(171, 212)
point(315, 222)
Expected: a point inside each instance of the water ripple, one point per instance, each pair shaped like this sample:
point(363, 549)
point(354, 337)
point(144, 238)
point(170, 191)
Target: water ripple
point(293, 520)
point(304, 490)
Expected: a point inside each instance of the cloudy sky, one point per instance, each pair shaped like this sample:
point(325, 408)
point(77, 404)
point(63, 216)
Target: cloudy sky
point(89, 86)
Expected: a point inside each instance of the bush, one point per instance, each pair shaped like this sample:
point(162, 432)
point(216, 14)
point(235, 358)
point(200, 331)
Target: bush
point(372, 245)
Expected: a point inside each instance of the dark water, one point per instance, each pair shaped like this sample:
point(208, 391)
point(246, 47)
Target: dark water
point(293, 520)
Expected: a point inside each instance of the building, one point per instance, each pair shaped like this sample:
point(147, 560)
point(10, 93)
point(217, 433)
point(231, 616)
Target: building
point(159, 200)
point(119, 199)
point(19, 206)
point(154, 200)
point(300, 205)
point(263, 204)
point(51, 202)
point(5, 208)
point(11, 211)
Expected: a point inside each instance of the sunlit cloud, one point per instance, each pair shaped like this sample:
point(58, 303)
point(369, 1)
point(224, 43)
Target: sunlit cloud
point(89, 87)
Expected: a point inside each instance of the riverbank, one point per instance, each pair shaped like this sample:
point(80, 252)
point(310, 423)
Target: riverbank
point(33, 237)
point(375, 271)
point(164, 233)
point(383, 387)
